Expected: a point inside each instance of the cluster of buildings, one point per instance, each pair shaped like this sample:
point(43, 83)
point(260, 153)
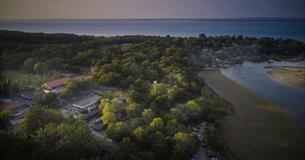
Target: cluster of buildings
point(19, 105)
point(84, 106)
point(228, 62)
point(222, 63)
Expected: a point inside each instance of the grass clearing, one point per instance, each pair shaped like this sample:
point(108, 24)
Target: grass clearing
point(28, 81)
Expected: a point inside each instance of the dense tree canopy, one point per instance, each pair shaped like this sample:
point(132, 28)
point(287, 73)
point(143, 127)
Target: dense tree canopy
point(161, 97)
point(4, 118)
point(48, 100)
point(45, 134)
point(73, 87)
point(157, 123)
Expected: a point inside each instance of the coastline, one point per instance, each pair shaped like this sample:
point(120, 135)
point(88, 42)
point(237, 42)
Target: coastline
point(216, 27)
point(256, 129)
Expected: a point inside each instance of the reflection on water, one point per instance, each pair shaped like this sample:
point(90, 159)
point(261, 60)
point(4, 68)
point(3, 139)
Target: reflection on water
point(254, 77)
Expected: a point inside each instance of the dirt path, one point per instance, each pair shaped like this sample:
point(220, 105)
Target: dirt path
point(256, 130)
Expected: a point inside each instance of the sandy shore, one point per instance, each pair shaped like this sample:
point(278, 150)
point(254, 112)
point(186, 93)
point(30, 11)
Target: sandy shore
point(290, 75)
point(256, 129)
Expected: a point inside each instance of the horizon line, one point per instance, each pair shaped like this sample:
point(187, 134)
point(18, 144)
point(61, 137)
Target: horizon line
point(228, 18)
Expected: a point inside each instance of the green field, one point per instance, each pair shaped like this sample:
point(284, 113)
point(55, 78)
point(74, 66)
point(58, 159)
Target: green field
point(28, 81)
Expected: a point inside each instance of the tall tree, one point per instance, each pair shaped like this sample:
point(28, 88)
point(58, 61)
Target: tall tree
point(29, 64)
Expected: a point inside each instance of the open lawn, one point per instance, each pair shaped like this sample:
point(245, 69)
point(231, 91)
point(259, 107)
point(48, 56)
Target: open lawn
point(28, 81)
point(256, 129)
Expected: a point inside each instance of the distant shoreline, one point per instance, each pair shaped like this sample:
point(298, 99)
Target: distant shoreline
point(256, 28)
point(147, 35)
point(160, 19)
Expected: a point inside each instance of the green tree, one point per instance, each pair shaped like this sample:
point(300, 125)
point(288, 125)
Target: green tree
point(148, 114)
point(134, 109)
point(194, 109)
point(109, 117)
point(55, 140)
point(127, 146)
point(135, 97)
point(157, 124)
point(28, 65)
point(115, 105)
point(73, 87)
point(54, 63)
point(36, 118)
point(110, 78)
point(148, 155)
point(180, 112)
point(184, 145)
point(40, 67)
point(117, 130)
point(177, 94)
point(15, 147)
point(70, 88)
point(4, 119)
point(160, 146)
point(139, 134)
point(134, 122)
point(172, 127)
point(159, 89)
point(48, 100)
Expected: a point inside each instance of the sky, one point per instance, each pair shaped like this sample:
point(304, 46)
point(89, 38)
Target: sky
point(138, 9)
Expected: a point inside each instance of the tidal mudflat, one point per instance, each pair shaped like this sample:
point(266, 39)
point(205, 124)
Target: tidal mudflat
point(256, 128)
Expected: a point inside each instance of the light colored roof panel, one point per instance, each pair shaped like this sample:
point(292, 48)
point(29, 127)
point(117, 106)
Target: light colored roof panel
point(12, 105)
point(87, 100)
point(56, 83)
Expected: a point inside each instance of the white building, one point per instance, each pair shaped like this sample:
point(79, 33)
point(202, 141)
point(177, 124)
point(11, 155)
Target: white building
point(89, 102)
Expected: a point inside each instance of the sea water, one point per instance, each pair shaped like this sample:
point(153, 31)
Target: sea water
point(294, 29)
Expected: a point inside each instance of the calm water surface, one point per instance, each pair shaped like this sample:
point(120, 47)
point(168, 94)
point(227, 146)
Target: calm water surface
point(257, 28)
point(254, 77)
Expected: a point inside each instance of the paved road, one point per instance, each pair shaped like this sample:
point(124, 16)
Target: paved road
point(202, 154)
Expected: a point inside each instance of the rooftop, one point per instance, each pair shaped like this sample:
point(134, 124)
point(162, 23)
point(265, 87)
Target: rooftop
point(56, 83)
point(11, 105)
point(85, 101)
point(60, 82)
point(80, 77)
